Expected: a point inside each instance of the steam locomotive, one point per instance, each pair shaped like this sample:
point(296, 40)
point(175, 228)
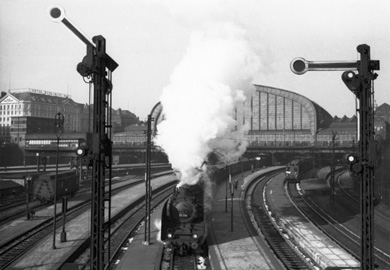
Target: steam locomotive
point(185, 215)
point(184, 223)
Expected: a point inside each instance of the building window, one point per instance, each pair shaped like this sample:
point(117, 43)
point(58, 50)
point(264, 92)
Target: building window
point(271, 112)
point(297, 115)
point(305, 120)
point(280, 113)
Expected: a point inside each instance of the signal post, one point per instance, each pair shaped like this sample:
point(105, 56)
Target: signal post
point(97, 66)
point(364, 164)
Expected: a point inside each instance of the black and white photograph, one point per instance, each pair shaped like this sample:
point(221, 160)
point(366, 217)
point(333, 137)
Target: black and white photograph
point(194, 135)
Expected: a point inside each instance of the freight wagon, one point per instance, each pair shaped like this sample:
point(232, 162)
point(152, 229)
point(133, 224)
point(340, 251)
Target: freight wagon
point(67, 184)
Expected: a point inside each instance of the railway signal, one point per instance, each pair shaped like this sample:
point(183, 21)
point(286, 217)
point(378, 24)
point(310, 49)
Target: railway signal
point(85, 156)
point(355, 166)
point(84, 151)
point(351, 158)
point(360, 84)
point(97, 66)
point(300, 66)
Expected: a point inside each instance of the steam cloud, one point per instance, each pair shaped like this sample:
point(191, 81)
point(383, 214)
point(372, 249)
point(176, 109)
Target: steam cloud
point(199, 103)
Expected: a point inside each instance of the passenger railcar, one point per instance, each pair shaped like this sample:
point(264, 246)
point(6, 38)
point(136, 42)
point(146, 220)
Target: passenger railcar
point(263, 160)
point(297, 167)
point(67, 184)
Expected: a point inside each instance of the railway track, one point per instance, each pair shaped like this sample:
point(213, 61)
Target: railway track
point(347, 239)
point(283, 250)
point(351, 200)
point(173, 261)
point(183, 262)
point(10, 202)
point(123, 226)
point(19, 245)
point(348, 198)
point(17, 209)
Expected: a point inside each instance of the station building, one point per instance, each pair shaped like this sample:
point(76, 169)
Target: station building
point(277, 117)
point(134, 135)
point(274, 117)
point(32, 111)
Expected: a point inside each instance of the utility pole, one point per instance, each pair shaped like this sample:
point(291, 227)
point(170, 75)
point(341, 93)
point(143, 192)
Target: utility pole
point(363, 166)
point(98, 66)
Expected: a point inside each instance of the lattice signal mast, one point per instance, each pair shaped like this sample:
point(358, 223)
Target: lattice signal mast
point(98, 66)
point(361, 85)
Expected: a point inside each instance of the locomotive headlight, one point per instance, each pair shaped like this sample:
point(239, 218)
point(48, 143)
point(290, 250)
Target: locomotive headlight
point(169, 235)
point(195, 236)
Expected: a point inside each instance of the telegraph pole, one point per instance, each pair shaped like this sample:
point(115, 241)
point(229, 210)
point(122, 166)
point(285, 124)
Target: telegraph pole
point(98, 66)
point(363, 167)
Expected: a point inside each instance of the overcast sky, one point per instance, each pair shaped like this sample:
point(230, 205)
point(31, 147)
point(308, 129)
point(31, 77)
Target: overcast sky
point(149, 38)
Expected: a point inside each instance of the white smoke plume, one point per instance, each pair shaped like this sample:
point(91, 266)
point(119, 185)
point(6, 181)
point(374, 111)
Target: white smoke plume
point(199, 102)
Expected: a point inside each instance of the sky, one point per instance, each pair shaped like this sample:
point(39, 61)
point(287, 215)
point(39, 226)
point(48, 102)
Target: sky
point(149, 39)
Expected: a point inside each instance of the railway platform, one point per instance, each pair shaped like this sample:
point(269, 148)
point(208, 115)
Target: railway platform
point(22, 225)
point(310, 240)
point(43, 256)
point(231, 244)
point(228, 250)
point(346, 182)
point(135, 256)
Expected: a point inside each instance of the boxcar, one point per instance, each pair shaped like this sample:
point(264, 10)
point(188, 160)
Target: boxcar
point(67, 184)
